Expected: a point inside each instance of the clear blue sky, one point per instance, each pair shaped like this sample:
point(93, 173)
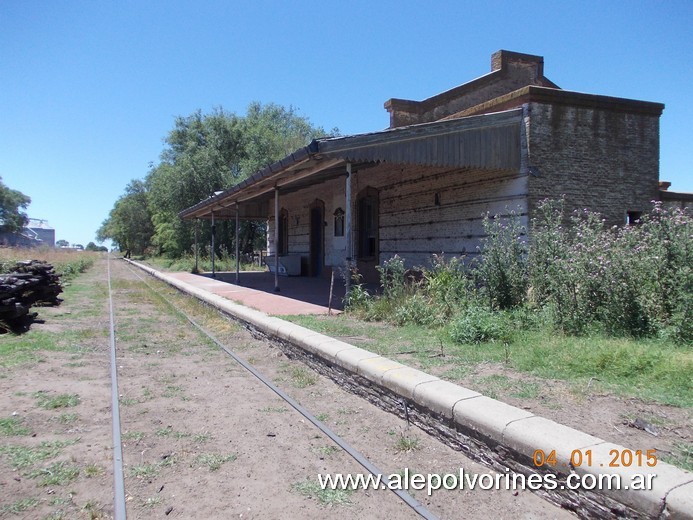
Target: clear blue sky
point(88, 89)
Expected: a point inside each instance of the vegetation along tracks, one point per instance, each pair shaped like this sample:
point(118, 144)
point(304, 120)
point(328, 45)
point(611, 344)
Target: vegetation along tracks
point(201, 437)
point(358, 457)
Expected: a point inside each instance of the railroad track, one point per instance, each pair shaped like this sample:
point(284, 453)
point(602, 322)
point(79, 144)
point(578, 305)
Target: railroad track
point(118, 471)
point(160, 421)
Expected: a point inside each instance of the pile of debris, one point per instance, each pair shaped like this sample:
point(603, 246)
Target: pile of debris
point(32, 283)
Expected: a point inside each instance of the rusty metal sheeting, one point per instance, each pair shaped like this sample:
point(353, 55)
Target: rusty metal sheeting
point(490, 141)
point(488, 147)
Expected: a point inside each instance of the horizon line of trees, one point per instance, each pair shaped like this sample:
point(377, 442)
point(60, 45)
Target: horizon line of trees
point(203, 153)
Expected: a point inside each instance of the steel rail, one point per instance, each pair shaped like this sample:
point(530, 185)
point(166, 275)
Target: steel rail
point(118, 478)
point(410, 501)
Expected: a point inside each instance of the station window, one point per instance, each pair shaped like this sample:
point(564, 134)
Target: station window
point(339, 222)
point(633, 217)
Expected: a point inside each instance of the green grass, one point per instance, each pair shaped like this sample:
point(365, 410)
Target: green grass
point(93, 470)
point(44, 400)
point(67, 419)
point(498, 386)
point(13, 426)
point(19, 506)
point(56, 515)
point(133, 436)
point(273, 409)
point(70, 270)
point(173, 391)
point(187, 264)
point(22, 457)
point(152, 502)
point(326, 497)
point(28, 347)
point(57, 474)
point(405, 444)
point(201, 438)
point(94, 510)
point(170, 432)
point(214, 461)
point(646, 368)
point(325, 451)
point(681, 456)
point(302, 377)
point(145, 471)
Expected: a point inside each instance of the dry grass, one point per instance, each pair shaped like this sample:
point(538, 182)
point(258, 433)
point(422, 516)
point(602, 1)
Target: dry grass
point(68, 263)
point(48, 254)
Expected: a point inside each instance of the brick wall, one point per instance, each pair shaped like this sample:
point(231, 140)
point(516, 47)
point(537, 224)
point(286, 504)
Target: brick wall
point(425, 211)
point(601, 159)
point(297, 205)
point(422, 210)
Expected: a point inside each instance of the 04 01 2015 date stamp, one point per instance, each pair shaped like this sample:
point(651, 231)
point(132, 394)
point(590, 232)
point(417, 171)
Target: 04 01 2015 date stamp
point(618, 458)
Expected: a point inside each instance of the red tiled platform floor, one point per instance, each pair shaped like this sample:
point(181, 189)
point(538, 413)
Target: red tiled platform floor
point(298, 294)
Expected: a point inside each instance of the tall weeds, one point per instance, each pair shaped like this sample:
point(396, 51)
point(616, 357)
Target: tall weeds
point(573, 272)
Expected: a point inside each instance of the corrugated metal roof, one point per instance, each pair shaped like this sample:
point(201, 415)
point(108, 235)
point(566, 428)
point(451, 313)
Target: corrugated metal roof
point(490, 141)
point(37, 223)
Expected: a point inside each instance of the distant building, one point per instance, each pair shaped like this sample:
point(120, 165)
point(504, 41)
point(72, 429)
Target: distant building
point(41, 231)
point(36, 233)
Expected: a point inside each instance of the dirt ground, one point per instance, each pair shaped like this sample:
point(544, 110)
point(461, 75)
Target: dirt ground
point(202, 438)
point(632, 422)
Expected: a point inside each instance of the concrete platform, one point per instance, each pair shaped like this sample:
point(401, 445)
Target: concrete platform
point(297, 294)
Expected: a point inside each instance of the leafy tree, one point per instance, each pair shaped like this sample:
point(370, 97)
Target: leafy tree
point(271, 132)
point(129, 224)
point(62, 243)
point(203, 154)
point(91, 246)
point(12, 202)
point(208, 153)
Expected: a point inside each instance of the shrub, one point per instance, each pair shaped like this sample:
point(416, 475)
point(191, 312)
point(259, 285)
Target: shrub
point(69, 270)
point(379, 308)
point(392, 277)
point(357, 298)
point(478, 325)
point(634, 280)
point(447, 284)
point(419, 309)
point(502, 270)
point(663, 246)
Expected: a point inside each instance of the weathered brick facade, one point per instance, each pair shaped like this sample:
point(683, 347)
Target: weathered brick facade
point(603, 159)
point(509, 72)
point(500, 143)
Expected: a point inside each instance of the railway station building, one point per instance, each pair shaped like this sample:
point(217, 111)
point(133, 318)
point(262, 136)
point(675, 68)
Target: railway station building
point(499, 143)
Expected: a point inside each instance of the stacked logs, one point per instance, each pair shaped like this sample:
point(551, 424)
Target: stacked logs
point(31, 283)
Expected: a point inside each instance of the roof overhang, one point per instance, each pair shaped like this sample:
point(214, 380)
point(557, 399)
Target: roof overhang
point(555, 96)
point(490, 141)
point(681, 196)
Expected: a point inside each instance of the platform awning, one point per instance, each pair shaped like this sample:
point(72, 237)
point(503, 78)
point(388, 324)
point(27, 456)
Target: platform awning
point(490, 141)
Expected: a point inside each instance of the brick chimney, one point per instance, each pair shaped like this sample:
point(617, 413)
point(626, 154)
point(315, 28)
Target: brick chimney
point(510, 71)
point(506, 60)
